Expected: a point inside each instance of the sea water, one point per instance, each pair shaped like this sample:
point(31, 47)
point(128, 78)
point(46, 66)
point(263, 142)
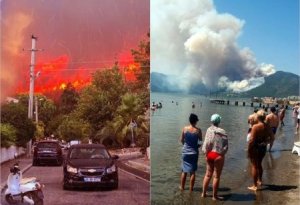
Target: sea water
point(166, 128)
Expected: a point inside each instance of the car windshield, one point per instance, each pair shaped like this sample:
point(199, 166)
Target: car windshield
point(89, 153)
point(47, 145)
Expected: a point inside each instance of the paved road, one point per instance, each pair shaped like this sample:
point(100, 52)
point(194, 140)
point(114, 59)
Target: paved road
point(131, 191)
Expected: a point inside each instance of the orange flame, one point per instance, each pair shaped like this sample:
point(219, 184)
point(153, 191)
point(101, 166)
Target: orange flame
point(56, 74)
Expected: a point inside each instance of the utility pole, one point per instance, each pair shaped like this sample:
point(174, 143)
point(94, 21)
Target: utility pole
point(36, 110)
point(31, 85)
point(32, 77)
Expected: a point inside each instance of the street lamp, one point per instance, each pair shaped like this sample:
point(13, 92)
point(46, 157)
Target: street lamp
point(37, 108)
point(132, 125)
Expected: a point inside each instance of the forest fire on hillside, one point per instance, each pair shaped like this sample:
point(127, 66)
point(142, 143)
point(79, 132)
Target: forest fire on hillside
point(73, 43)
point(56, 74)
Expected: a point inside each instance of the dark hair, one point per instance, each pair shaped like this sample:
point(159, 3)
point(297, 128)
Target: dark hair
point(255, 109)
point(193, 118)
point(273, 109)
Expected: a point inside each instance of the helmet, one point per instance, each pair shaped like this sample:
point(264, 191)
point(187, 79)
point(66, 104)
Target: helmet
point(215, 119)
point(15, 169)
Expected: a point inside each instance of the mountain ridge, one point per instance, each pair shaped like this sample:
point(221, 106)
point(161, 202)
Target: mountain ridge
point(279, 84)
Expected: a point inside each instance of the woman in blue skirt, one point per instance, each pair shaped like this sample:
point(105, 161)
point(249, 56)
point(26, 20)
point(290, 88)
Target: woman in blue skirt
point(191, 138)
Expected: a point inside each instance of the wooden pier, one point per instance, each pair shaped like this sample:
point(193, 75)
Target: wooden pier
point(243, 103)
point(217, 101)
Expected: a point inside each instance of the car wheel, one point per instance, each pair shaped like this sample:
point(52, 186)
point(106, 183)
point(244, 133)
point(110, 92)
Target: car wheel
point(116, 185)
point(9, 199)
point(66, 185)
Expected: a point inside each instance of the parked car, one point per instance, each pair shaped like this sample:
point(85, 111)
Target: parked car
point(73, 142)
point(90, 165)
point(46, 152)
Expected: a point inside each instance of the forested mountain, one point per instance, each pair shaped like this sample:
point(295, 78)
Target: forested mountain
point(279, 84)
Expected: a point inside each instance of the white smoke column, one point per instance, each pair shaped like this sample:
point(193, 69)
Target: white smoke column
point(192, 40)
point(11, 47)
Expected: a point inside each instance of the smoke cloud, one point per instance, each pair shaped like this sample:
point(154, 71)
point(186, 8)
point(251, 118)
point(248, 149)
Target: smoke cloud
point(91, 34)
point(192, 40)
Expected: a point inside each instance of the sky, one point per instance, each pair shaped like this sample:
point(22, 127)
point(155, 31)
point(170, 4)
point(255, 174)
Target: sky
point(224, 43)
point(271, 30)
point(77, 37)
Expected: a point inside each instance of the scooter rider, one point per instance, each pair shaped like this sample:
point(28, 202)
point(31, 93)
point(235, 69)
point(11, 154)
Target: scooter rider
point(22, 190)
point(14, 180)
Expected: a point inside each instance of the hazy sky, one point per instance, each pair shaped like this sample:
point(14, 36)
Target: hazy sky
point(78, 37)
point(223, 43)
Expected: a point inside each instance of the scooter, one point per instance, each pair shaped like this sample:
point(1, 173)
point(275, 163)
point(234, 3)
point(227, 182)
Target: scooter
point(19, 190)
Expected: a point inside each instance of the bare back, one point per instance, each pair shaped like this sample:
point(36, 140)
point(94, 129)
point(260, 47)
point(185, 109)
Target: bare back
point(272, 120)
point(191, 129)
point(261, 133)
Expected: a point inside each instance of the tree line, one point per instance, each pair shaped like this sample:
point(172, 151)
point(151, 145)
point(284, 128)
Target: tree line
point(102, 111)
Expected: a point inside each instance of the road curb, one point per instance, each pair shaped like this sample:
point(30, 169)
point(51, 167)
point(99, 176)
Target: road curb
point(145, 176)
point(136, 176)
point(137, 164)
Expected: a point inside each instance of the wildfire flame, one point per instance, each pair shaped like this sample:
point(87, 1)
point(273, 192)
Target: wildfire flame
point(56, 74)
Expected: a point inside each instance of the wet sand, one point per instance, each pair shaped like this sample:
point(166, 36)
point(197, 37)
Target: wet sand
point(281, 184)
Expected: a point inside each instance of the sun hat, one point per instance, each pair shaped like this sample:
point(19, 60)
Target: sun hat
point(215, 119)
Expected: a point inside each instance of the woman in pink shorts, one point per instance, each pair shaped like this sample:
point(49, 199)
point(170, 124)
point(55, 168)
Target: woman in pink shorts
point(215, 147)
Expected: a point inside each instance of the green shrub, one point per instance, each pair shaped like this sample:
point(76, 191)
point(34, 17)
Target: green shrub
point(8, 135)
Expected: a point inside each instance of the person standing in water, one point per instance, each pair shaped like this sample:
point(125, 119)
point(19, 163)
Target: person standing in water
point(298, 120)
point(215, 147)
point(261, 135)
point(252, 120)
point(295, 112)
point(191, 139)
point(273, 121)
point(281, 115)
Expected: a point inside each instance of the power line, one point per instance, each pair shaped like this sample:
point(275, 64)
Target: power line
point(91, 62)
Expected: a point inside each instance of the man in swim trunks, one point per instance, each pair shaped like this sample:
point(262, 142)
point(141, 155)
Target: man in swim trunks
point(252, 120)
point(281, 115)
point(261, 135)
point(273, 121)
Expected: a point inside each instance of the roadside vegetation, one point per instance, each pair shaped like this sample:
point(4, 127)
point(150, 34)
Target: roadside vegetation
point(102, 111)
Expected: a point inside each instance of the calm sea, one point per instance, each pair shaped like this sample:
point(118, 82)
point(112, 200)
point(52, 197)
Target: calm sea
point(166, 127)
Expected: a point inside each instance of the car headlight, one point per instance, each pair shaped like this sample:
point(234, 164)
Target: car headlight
point(71, 169)
point(111, 169)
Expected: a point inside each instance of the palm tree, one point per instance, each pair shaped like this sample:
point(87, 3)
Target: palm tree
point(130, 109)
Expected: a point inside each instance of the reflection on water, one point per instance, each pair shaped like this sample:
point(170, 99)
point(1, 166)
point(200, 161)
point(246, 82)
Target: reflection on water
point(166, 125)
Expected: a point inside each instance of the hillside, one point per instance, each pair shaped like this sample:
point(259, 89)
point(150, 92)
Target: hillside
point(279, 84)
point(163, 83)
